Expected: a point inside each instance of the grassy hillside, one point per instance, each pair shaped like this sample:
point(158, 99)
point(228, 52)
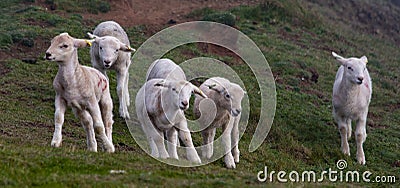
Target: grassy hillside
point(296, 37)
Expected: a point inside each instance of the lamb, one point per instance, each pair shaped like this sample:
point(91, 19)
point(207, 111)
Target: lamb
point(166, 69)
point(352, 92)
point(160, 106)
point(227, 97)
point(84, 89)
point(111, 50)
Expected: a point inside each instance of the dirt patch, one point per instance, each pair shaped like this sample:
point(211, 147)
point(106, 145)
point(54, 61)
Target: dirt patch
point(130, 13)
point(374, 119)
point(154, 12)
point(3, 68)
point(120, 146)
point(25, 53)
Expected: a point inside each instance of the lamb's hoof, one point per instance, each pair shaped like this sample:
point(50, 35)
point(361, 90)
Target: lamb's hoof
point(164, 156)
point(55, 143)
point(193, 157)
point(361, 159)
point(207, 155)
point(92, 149)
point(346, 151)
point(124, 114)
point(110, 149)
point(174, 156)
point(236, 158)
point(229, 162)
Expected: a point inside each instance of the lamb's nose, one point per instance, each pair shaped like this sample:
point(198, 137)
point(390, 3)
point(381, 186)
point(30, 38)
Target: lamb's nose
point(238, 111)
point(360, 79)
point(48, 55)
point(184, 103)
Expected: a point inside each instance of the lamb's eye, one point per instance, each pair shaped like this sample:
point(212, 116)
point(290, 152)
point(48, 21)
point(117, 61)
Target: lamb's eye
point(350, 68)
point(64, 46)
point(173, 89)
point(228, 96)
point(116, 50)
point(101, 48)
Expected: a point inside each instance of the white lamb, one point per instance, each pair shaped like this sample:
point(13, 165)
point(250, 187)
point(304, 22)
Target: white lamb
point(227, 97)
point(84, 89)
point(111, 50)
point(160, 106)
point(166, 69)
point(351, 97)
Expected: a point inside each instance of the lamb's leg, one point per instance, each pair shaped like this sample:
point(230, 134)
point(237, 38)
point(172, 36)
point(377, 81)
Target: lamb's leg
point(235, 140)
point(60, 106)
point(147, 127)
point(106, 107)
point(348, 129)
point(184, 135)
point(208, 142)
point(126, 89)
point(158, 139)
point(123, 108)
point(87, 123)
point(361, 135)
point(98, 125)
point(226, 143)
point(172, 137)
point(343, 129)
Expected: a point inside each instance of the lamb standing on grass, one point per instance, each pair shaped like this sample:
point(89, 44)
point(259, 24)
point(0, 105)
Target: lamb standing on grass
point(160, 106)
point(169, 70)
point(227, 97)
point(83, 88)
point(111, 50)
point(351, 97)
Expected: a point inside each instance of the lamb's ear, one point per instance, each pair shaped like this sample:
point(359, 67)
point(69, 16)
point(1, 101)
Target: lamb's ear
point(364, 59)
point(126, 48)
point(162, 83)
point(95, 37)
point(215, 87)
point(341, 59)
point(198, 91)
point(81, 43)
point(92, 36)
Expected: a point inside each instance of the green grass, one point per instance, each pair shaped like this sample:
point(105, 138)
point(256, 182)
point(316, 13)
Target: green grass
point(296, 41)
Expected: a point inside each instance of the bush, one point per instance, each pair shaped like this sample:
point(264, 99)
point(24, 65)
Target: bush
point(76, 6)
point(103, 6)
point(5, 40)
point(224, 18)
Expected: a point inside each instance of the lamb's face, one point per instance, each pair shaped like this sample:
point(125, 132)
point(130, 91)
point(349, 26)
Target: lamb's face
point(355, 69)
point(228, 98)
point(177, 93)
point(109, 48)
point(180, 93)
point(61, 48)
point(233, 99)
